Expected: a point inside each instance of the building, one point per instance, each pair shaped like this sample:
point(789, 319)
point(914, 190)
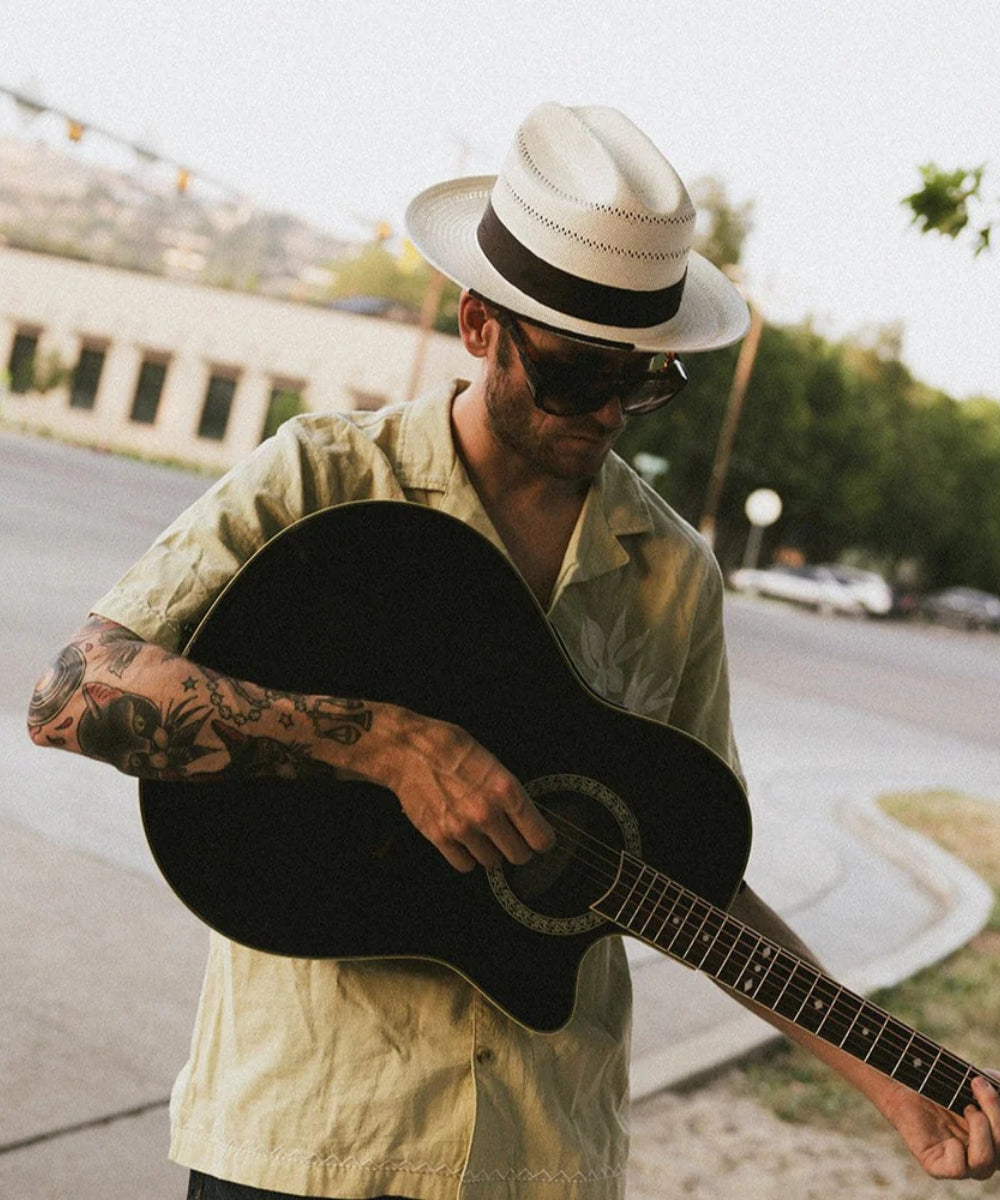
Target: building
point(179, 371)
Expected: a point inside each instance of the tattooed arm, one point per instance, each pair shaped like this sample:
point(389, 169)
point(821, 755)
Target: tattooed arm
point(110, 695)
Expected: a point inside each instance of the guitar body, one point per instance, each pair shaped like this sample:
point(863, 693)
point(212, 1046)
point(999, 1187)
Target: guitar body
point(395, 602)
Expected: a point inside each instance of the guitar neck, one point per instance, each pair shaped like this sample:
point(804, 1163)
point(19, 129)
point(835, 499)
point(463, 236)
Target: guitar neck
point(656, 910)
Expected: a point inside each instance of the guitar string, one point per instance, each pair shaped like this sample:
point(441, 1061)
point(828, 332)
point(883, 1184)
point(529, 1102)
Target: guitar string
point(894, 1036)
point(613, 866)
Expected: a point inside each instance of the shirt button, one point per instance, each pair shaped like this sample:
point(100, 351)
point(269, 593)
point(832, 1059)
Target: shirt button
point(484, 1056)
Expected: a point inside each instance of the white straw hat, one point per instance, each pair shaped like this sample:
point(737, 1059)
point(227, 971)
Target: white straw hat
point(586, 229)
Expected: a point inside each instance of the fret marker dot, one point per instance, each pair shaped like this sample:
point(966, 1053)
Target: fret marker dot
point(818, 1005)
point(918, 1063)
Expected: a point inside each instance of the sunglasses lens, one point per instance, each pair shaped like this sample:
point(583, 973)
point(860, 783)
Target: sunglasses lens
point(570, 397)
point(570, 391)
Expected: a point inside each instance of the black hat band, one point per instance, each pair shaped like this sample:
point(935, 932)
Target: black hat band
point(570, 294)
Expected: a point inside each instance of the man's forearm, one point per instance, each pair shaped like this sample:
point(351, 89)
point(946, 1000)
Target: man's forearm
point(756, 913)
point(154, 714)
point(157, 715)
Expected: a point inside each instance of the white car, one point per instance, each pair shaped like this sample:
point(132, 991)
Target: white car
point(869, 587)
point(814, 587)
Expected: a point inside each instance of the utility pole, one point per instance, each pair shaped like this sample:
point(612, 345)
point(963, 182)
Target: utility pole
point(428, 314)
point(727, 434)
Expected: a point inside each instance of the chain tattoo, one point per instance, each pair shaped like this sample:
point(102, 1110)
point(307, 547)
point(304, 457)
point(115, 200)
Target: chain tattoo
point(141, 738)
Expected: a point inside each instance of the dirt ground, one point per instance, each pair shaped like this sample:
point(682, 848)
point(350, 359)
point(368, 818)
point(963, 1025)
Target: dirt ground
point(714, 1143)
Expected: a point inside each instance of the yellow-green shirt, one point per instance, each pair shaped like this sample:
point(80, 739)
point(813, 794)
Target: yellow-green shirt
point(358, 1079)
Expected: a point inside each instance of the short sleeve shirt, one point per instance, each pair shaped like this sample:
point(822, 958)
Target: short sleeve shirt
point(321, 1078)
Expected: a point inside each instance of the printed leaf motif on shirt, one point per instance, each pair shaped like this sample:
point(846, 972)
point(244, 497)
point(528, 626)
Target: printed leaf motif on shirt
point(617, 668)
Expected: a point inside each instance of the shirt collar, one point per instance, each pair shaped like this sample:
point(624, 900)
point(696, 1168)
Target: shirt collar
point(616, 505)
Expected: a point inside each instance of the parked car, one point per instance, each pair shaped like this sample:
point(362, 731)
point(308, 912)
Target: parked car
point(870, 588)
point(814, 587)
point(962, 607)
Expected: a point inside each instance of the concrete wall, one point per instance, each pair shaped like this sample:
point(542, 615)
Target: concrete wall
point(337, 360)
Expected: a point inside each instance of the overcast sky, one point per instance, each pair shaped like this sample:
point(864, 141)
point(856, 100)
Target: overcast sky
point(818, 112)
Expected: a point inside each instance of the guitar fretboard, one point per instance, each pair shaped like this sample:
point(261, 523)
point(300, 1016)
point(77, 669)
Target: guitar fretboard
point(656, 910)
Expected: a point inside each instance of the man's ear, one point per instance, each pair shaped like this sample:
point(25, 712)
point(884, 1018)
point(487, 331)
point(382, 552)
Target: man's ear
point(476, 324)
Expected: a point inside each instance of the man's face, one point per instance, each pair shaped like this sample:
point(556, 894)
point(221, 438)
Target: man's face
point(570, 448)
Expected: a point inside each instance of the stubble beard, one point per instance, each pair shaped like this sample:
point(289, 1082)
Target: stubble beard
point(510, 418)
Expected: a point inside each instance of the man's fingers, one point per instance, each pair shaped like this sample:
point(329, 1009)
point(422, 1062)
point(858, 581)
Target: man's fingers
point(457, 856)
point(984, 1131)
point(533, 827)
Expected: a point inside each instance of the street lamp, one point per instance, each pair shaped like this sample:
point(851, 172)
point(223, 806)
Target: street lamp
point(763, 508)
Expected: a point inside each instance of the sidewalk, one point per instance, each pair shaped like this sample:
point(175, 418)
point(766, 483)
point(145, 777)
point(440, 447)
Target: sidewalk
point(103, 964)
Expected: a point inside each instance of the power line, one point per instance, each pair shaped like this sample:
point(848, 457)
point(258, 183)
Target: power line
point(78, 127)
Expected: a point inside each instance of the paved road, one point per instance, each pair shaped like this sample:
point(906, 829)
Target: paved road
point(73, 519)
point(935, 679)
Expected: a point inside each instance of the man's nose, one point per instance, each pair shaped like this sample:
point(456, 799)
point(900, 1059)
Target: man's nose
point(610, 413)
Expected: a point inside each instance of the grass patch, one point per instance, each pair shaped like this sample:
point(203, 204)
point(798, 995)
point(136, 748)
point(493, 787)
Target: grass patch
point(956, 1002)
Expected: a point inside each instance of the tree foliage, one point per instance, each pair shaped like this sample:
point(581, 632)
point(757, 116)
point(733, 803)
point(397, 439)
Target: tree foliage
point(723, 225)
point(380, 272)
point(871, 465)
point(948, 202)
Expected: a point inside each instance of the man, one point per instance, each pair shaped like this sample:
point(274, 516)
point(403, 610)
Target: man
point(388, 1078)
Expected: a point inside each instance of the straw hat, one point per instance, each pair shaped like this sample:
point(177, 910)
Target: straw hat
point(587, 229)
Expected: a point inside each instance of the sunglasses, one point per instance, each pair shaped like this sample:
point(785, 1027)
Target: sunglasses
point(565, 389)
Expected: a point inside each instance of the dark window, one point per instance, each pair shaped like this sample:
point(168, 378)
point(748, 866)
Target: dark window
point(218, 405)
point(21, 366)
point(285, 402)
point(86, 377)
point(148, 390)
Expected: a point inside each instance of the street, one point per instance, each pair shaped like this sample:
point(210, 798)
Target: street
point(73, 519)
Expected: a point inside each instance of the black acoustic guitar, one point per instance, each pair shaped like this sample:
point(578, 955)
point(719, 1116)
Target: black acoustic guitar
point(395, 602)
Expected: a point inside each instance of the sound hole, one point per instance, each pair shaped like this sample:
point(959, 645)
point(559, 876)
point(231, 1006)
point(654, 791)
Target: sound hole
point(568, 879)
point(553, 892)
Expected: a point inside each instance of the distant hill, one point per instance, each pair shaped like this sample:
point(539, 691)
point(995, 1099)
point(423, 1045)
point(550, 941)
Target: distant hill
point(57, 204)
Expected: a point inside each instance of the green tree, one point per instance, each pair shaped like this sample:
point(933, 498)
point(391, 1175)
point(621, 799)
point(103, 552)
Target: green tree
point(723, 226)
point(870, 463)
point(380, 272)
point(949, 202)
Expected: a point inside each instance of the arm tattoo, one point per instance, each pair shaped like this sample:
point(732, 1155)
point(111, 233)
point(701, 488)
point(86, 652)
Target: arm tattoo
point(60, 681)
point(123, 648)
point(136, 736)
point(149, 739)
point(342, 721)
point(256, 756)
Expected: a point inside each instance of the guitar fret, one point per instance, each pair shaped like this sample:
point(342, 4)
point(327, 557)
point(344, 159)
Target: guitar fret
point(676, 921)
point(932, 1068)
point(677, 946)
point(816, 1006)
point(929, 1069)
point(760, 977)
point(719, 949)
point(776, 1006)
point(739, 958)
point(872, 1038)
point(964, 1085)
point(735, 964)
point(619, 916)
point(640, 907)
point(668, 890)
point(709, 939)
